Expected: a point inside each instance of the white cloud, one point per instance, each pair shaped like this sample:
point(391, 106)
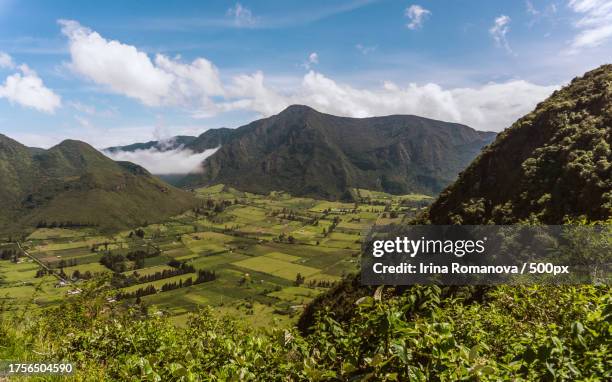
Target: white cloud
point(499, 30)
point(250, 93)
point(243, 16)
point(197, 87)
point(364, 49)
point(545, 12)
point(81, 107)
point(91, 110)
point(313, 59)
point(6, 61)
point(126, 70)
point(531, 9)
point(178, 161)
point(84, 122)
point(594, 25)
point(417, 15)
point(27, 89)
point(493, 106)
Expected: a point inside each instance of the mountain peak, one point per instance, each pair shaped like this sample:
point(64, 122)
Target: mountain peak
point(298, 109)
point(74, 144)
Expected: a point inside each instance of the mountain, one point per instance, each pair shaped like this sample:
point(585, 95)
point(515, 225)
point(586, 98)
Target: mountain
point(211, 139)
point(165, 145)
point(553, 163)
point(309, 153)
point(72, 184)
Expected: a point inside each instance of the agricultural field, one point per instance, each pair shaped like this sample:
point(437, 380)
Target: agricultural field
point(257, 257)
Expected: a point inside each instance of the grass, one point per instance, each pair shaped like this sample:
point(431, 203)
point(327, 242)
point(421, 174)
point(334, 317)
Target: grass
point(276, 267)
point(159, 283)
point(295, 293)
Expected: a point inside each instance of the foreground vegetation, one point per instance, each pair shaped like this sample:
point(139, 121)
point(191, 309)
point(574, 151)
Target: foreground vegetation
point(513, 333)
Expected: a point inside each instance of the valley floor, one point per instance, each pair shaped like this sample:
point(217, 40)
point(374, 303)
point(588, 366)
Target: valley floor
point(270, 255)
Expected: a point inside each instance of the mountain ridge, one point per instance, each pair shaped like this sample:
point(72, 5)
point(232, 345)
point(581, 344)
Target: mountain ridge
point(172, 143)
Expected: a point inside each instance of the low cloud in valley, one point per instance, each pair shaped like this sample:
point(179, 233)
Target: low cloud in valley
point(177, 161)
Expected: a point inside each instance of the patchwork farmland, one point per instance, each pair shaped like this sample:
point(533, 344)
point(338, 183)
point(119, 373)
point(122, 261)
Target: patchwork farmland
point(242, 253)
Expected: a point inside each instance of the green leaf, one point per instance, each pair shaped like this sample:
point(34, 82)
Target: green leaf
point(365, 301)
point(473, 353)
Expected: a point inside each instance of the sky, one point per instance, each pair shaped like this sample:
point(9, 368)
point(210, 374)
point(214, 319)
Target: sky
point(118, 72)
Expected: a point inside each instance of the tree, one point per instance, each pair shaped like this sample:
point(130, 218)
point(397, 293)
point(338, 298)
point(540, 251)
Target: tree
point(299, 279)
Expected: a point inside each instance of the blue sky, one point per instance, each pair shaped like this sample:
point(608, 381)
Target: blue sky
point(117, 72)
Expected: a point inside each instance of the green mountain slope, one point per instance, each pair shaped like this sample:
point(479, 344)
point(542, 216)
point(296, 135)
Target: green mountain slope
point(72, 183)
point(555, 162)
point(309, 153)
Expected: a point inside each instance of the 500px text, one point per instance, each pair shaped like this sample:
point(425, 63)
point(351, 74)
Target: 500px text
point(457, 268)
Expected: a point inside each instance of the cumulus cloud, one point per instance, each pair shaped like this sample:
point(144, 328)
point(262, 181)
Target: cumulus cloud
point(197, 87)
point(492, 106)
point(6, 61)
point(178, 161)
point(242, 16)
point(417, 15)
point(26, 88)
point(250, 93)
point(126, 70)
point(594, 25)
point(499, 30)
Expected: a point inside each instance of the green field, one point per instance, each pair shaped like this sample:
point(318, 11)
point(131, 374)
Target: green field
point(257, 245)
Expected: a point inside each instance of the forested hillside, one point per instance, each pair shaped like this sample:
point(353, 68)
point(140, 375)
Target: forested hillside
point(553, 163)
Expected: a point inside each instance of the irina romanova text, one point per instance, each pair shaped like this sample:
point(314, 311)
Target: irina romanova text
point(412, 247)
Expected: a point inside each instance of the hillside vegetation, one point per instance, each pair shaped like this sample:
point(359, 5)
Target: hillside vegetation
point(520, 334)
point(72, 184)
point(554, 163)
